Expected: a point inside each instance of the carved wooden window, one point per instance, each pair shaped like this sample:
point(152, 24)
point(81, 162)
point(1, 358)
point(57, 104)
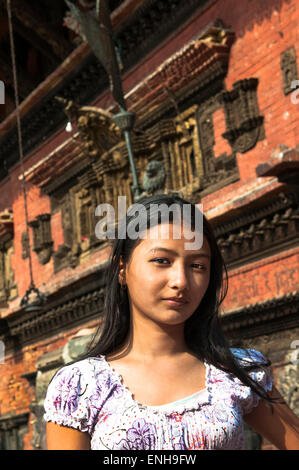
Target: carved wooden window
point(244, 123)
point(288, 64)
point(25, 245)
point(192, 163)
point(218, 170)
point(180, 151)
point(85, 217)
point(78, 222)
point(8, 288)
point(244, 128)
point(42, 239)
point(67, 254)
point(86, 196)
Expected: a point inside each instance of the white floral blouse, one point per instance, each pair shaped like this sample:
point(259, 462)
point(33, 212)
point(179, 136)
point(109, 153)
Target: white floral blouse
point(90, 396)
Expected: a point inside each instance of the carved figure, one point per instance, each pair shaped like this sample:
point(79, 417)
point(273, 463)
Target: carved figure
point(154, 177)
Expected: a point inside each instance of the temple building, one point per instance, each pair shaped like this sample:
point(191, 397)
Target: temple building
point(213, 86)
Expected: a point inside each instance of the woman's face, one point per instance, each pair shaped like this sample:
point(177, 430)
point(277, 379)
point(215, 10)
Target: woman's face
point(162, 268)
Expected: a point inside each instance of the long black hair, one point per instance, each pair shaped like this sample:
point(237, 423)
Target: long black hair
point(203, 330)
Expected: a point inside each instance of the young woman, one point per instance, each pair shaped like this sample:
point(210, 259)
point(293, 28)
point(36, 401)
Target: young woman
point(161, 375)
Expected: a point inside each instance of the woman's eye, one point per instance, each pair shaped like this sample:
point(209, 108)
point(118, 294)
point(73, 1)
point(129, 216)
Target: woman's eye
point(199, 266)
point(160, 260)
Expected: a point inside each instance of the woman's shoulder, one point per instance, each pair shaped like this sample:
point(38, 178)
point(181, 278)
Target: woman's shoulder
point(229, 385)
point(76, 393)
point(245, 357)
point(85, 368)
point(88, 362)
point(252, 360)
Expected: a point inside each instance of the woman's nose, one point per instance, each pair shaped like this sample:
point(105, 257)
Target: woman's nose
point(178, 276)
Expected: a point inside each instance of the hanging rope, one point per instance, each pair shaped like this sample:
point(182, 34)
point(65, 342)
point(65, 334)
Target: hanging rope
point(12, 51)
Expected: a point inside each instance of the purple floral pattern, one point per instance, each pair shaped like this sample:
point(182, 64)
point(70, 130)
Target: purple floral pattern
point(140, 436)
point(67, 396)
point(90, 397)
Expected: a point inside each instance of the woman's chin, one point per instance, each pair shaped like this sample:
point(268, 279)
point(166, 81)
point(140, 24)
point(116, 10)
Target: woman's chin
point(173, 318)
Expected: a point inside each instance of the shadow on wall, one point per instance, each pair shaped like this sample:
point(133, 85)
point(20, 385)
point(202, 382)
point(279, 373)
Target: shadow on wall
point(261, 11)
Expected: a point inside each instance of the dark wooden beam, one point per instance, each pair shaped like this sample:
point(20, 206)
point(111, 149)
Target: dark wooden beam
point(32, 20)
point(3, 24)
point(25, 85)
point(36, 42)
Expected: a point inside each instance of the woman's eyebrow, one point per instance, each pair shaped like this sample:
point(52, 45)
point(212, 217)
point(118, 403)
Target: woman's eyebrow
point(172, 252)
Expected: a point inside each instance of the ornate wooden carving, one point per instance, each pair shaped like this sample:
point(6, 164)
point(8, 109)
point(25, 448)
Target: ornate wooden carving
point(263, 318)
point(154, 178)
point(3, 288)
point(288, 65)
point(185, 155)
point(42, 240)
point(97, 130)
point(34, 325)
point(25, 245)
point(87, 196)
point(219, 171)
point(8, 288)
point(173, 149)
point(255, 231)
point(196, 71)
point(67, 253)
point(6, 224)
point(244, 123)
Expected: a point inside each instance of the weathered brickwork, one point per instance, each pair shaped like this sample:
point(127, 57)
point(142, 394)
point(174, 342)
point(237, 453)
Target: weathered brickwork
point(263, 31)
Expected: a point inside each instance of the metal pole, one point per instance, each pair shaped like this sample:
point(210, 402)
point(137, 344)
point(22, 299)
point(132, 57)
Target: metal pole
point(136, 188)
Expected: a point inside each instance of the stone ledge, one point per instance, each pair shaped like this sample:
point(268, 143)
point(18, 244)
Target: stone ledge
point(283, 160)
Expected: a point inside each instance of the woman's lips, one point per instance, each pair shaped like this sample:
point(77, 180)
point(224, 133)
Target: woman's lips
point(175, 303)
